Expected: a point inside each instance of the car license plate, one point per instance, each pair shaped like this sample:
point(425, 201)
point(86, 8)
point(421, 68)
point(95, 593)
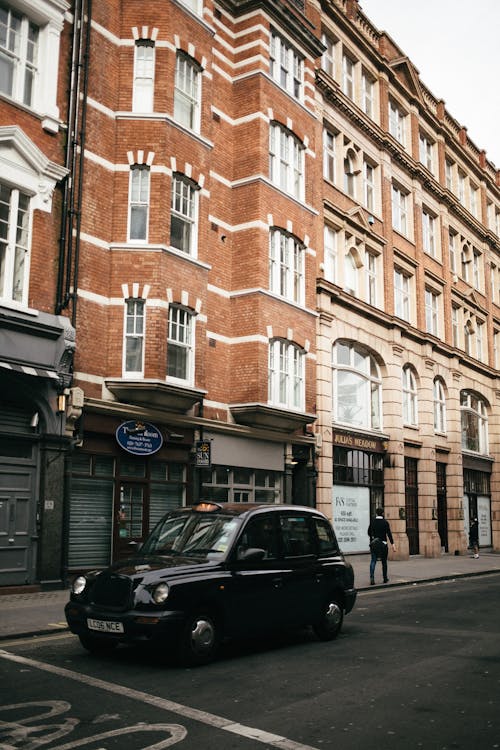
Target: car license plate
point(105, 626)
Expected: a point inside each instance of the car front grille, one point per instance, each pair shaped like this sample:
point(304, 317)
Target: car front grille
point(112, 592)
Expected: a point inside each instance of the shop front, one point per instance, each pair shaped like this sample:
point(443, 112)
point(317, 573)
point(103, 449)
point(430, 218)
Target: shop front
point(477, 498)
point(358, 487)
point(122, 479)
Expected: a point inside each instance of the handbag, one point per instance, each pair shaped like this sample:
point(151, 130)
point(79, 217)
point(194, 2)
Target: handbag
point(376, 546)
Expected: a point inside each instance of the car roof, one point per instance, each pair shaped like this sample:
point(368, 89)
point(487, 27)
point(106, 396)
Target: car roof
point(240, 509)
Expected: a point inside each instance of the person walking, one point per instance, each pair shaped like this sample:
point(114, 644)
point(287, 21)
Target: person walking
point(380, 533)
point(474, 536)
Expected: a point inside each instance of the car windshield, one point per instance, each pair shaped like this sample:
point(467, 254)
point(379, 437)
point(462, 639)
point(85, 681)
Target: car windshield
point(192, 534)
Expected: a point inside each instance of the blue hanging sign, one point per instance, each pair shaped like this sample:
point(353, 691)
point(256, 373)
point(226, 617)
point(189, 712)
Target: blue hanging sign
point(139, 438)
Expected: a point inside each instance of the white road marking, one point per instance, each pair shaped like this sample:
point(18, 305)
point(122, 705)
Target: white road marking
point(275, 740)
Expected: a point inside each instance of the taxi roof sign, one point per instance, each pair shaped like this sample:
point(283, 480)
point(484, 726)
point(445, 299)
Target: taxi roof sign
point(205, 507)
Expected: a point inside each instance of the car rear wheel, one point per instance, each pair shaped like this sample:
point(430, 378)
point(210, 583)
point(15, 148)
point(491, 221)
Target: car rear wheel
point(199, 639)
point(328, 627)
point(96, 645)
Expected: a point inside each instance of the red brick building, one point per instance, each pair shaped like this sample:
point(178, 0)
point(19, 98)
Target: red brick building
point(282, 265)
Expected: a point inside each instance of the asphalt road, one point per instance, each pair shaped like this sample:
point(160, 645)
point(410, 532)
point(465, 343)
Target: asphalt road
point(414, 668)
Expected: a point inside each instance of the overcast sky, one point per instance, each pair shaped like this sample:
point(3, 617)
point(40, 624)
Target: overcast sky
point(455, 46)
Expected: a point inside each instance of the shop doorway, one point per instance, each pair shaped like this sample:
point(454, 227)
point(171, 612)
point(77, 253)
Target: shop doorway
point(411, 505)
point(18, 532)
point(131, 509)
point(442, 505)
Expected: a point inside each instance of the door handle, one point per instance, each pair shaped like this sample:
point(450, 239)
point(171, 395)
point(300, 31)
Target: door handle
point(11, 540)
point(278, 582)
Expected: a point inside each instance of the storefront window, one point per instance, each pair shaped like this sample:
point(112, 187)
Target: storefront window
point(237, 484)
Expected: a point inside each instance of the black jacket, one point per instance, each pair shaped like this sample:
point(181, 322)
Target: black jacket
point(379, 528)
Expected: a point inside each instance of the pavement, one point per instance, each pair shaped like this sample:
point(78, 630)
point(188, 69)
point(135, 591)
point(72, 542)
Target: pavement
point(28, 614)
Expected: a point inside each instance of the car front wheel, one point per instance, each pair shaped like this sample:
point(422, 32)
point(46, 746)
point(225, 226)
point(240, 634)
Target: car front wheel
point(199, 639)
point(329, 625)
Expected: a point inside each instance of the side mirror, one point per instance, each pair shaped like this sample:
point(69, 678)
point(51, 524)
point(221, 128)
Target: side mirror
point(252, 554)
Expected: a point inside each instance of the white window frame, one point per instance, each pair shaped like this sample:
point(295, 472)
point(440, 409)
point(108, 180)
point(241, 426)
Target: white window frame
point(400, 211)
point(26, 171)
point(195, 6)
point(469, 331)
point(496, 349)
point(432, 312)
point(476, 269)
point(474, 195)
point(426, 151)
point(440, 426)
point(144, 76)
point(184, 213)
point(449, 168)
point(397, 122)
point(455, 326)
point(350, 172)
point(286, 375)
point(134, 328)
point(402, 294)
point(351, 273)
point(369, 185)
point(286, 66)
point(48, 16)
point(329, 154)
point(410, 397)
point(286, 266)
point(348, 76)
point(473, 407)
point(452, 251)
point(429, 233)
point(371, 277)
point(181, 336)
point(138, 201)
point(330, 253)
point(368, 94)
point(461, 183)
point(480, 328)
point(355, 372)
point(15, 244)
point(187, 92)
point(328, 62)
point(286, 160)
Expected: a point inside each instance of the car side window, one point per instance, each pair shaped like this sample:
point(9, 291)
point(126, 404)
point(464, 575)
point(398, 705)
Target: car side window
point(326, 538)
point(260, 533)
point(297, 535)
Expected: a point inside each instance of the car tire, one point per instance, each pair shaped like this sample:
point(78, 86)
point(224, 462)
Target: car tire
point(330, 624)
point(96, 645)
point(199, 640)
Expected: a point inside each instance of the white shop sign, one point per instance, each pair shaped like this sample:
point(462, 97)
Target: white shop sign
point(351, 517)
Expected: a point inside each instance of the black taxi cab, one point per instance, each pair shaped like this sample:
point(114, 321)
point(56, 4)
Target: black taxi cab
point(214, 571)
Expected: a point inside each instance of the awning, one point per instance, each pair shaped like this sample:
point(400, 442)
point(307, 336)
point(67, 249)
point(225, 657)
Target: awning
point(39, 372)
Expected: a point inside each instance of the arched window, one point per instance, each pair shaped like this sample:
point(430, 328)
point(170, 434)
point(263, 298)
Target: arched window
point(474, 421)
point(357, 386)
point(439, 406)
point(410, 400)
point(286, 374)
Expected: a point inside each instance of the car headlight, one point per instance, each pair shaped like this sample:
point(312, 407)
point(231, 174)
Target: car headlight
point(78, 585)
point(160, 593)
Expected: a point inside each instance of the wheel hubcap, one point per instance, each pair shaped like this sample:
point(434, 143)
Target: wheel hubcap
point(202, 635)
point(333, 614)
